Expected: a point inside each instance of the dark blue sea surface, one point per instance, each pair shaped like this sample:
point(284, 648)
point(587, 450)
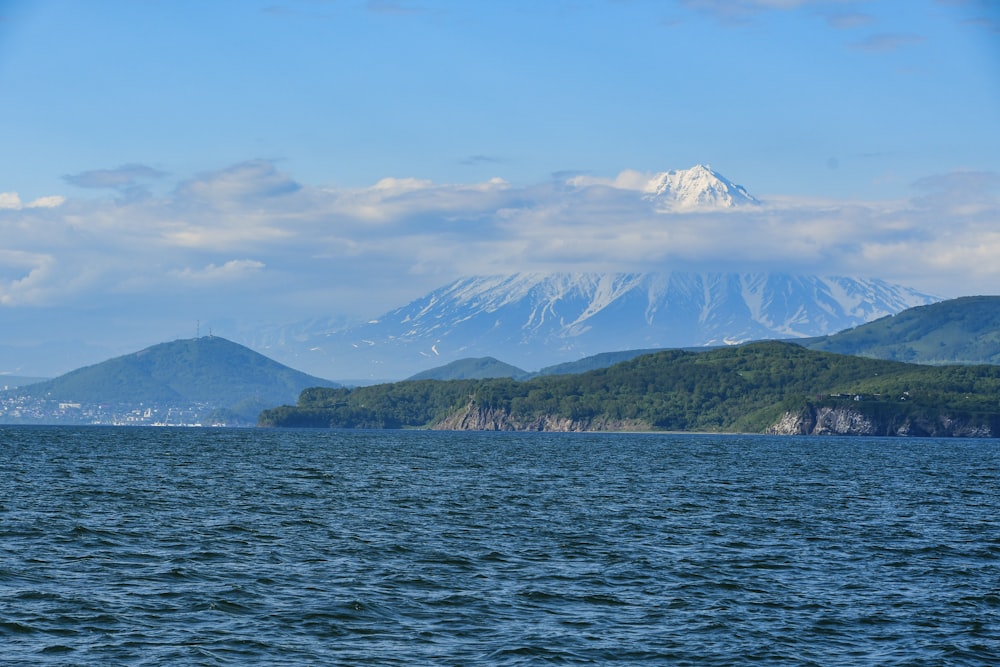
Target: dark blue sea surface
point(235, 547)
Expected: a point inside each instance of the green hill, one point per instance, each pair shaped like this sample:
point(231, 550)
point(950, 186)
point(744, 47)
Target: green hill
point(209, 371)
point(488, 367)
point(472, 369)
point(594, 362)
point(957, 331)
point(771, 386)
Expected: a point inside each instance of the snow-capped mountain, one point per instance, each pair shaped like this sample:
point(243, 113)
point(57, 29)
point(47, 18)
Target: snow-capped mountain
point(696, 188)
point(533, 320)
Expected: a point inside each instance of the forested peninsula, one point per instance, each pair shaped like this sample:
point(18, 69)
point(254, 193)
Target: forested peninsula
point(768, 387)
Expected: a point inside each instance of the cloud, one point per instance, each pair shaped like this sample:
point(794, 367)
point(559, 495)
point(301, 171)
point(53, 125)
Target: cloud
point(34, 272)
point(234, 269)
point(960, 193)
point(52, 201)
point(476, 160)
point(250, 239)
point(392, 202)
point(848, 20)
point(887, 42)
point(255, 179)
point(278, 10)
point(40, 278)
point(121, 177)
point(979, 13)
point(738, 11)
point(993, 25)
point(628, 179)
point(393, 7)
point(11, 200)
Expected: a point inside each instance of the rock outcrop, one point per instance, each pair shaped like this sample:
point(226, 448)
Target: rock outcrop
point(849, 421)
point(811, 421)
point(477, 417)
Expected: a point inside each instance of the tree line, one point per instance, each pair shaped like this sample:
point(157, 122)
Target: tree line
point(744, 388)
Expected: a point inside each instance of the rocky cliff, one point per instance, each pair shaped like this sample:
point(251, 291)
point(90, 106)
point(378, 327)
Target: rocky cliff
point(813, 421)
point(477, 417)
point(849, 421)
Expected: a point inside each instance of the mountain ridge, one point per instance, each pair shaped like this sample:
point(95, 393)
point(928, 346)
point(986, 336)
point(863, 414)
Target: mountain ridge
point(955, 331)
point(201, 375)
point(765, 387)
point(473, 368)
point(962, 331)
point(965, 330)
point(533, 320)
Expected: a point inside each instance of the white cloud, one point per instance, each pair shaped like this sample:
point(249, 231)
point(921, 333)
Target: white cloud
point(11, 200)
point(398, 186)
point(234, 269)
point(28, 277)
point(52, 201)
point(249, 238)
point(393, 200)
point(628, 179)
point(257, 180)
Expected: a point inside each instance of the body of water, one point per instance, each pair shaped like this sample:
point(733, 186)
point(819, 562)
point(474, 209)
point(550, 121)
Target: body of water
point(235, 547)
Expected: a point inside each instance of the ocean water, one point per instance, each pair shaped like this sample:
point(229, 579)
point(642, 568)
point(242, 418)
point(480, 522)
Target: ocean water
point(236, 547)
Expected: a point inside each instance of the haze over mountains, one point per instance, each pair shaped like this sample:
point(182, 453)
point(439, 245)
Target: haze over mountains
point(178, 382)
point(538, 319)
point(212, 380)
point(535, 320)
point(963, 331)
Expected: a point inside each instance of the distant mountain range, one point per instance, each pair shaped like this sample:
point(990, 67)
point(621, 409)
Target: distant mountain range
point(478, 368)
point(764, 387)
point(218, 381)
point(960, 331)
point(537, 320)
point(473, 369)
point(957, 331)
point(525, 324)
point(534, 320)
point(206, 376)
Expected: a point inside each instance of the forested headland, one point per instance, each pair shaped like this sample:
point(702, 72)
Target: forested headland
point(761, 387)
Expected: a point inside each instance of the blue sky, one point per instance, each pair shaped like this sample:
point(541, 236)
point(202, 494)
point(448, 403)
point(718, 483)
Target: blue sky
point(239, 161)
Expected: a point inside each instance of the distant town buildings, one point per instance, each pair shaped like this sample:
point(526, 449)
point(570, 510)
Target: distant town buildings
point(27, 410)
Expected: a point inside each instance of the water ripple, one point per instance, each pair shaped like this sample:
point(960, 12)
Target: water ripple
point(229, 547)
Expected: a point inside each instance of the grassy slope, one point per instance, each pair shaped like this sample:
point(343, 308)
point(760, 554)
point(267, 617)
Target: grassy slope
point(958, 331)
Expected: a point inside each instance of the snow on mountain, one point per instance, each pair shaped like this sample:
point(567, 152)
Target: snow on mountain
point(696, 188)
point(534, 320)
